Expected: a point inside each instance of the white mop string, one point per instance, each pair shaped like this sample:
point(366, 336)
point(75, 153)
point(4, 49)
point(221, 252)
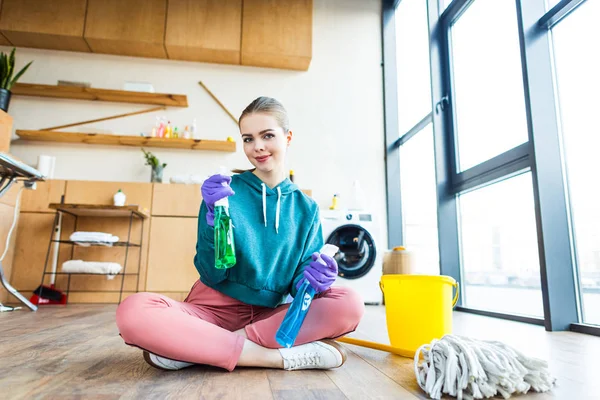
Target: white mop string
point(473, 369)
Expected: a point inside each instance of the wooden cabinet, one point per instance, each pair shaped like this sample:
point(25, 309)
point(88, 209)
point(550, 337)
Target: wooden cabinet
point(277, 34)
point(266, 33)
point(204, 30)
point(48, 24)
point(171, 256)
point(176, 200)
point(132, 27)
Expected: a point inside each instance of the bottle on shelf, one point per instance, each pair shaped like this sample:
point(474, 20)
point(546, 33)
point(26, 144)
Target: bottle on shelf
point(194, 131)
point(119, 198)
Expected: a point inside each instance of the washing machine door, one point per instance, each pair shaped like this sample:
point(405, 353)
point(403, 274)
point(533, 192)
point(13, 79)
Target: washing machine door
point(356, 255)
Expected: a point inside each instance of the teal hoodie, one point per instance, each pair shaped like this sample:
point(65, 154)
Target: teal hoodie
point(275, 233)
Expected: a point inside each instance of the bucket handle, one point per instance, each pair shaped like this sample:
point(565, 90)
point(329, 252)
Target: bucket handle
point(455, 299)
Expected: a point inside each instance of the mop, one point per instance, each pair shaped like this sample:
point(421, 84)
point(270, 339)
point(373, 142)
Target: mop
point(474, 369)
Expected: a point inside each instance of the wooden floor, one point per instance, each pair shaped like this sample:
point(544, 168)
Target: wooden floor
point(75, 352)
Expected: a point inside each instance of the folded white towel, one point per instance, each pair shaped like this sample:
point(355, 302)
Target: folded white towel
point(81, 236)
point(92, 267)
point(188, 179)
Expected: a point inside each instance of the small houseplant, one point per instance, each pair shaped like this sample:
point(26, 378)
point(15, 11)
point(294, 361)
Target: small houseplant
point(7, 68)
point(157, 167)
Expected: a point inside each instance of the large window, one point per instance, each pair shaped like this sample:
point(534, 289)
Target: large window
point(501, 269)
point(419, 207)
point(417, 161)
point(412, 41)
point(578, 84)
point(499, 124)
point(488, 83)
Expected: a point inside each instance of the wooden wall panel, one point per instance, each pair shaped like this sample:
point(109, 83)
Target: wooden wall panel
point(176, 200)
point(45, 193)
point(171, 255)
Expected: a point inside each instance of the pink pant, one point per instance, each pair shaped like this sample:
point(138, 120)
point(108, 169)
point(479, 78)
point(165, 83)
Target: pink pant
point(200, 329)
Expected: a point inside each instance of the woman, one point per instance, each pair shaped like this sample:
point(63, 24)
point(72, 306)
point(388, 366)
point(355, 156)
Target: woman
point(230, 316)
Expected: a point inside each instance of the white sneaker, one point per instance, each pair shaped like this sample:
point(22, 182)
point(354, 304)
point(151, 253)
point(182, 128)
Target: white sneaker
point(323, 354)
point(165, 363)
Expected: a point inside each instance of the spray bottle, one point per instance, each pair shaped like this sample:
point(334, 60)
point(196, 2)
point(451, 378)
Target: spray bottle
point(224, 245)
point(292, 322)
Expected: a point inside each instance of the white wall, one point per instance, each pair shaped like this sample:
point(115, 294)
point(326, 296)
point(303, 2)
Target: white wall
point(336, 108)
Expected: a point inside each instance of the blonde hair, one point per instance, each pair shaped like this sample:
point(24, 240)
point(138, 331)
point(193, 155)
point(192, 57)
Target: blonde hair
point(266, 105)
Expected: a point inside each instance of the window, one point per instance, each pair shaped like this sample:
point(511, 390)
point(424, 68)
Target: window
point(551, 3)
point(419, 205)
point(412, 49)
point(443, 4)
point(578, 83)
point(488, 83)
point(500, 262)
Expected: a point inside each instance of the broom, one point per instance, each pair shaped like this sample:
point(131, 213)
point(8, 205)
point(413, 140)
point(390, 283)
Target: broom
point(475, 369)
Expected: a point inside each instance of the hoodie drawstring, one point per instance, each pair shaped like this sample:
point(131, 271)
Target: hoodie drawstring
point(264, 206)
point(264, 199)
point(277, 210)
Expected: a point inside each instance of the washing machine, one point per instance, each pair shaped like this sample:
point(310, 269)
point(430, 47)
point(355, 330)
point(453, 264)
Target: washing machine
point(360, 256)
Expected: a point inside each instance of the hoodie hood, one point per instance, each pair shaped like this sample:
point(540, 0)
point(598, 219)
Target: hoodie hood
point(284, 188)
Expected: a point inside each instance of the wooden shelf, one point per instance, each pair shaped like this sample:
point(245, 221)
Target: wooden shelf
point(119, 96)
point(99, 210)
point(125, 140)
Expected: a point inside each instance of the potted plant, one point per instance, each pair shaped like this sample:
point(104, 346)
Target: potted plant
point(157, 167)
point(7, 67)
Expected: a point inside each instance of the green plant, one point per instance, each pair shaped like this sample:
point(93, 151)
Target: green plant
point(151, 160)
point(7, 67)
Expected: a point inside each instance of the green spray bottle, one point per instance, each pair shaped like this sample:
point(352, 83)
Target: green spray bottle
point(224, 245)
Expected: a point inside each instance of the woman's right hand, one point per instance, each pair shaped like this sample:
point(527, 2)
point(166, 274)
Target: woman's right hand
point(213, 189)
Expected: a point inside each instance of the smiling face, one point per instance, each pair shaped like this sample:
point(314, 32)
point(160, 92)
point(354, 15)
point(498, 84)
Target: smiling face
point(265, 142)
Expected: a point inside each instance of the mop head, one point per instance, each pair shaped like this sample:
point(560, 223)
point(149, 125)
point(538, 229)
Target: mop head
point(474, 369)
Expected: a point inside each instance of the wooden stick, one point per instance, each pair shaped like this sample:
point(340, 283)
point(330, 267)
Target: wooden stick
point(147, 110)
point(219, 102)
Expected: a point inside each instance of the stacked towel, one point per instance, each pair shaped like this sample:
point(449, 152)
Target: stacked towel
point(188, 179)
point(92, 267)
point(87, 238)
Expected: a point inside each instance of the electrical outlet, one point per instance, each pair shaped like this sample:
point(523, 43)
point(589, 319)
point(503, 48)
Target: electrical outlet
point(31, 185)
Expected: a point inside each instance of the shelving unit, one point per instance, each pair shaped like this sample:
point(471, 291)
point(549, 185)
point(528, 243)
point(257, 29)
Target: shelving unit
point(100, 211)
point(117, 96)
point(125, 140)
point(120, 96)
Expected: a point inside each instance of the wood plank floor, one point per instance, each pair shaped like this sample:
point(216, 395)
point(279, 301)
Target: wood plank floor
point(75, 352)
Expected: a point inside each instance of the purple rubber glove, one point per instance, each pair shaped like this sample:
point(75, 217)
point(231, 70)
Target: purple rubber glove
point(320, 276)
point(213, 189)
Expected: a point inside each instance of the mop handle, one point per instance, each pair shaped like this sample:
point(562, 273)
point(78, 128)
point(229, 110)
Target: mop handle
point(378, 346)
point(57, 230)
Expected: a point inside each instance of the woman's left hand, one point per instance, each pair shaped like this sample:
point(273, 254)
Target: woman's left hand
point(320, 276)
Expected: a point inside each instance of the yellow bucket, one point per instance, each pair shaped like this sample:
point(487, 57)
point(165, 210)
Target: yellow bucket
point(418, 308)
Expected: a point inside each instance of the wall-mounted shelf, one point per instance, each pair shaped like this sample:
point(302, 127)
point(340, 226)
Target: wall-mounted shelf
point(125, 140)
point(80, 93)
